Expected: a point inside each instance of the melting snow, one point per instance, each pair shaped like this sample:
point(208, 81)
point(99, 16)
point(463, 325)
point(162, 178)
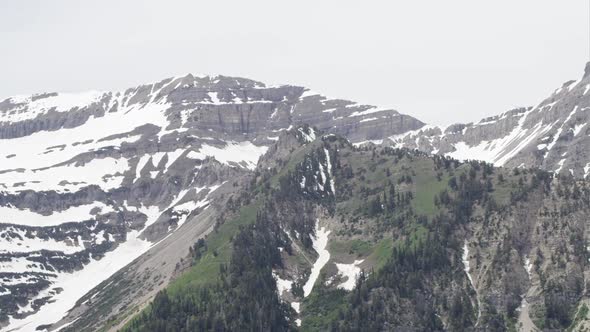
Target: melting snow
point(25, 244)
point(501, 150)
point(573, 84)
point(232, 153)
point(308, 93)
point(76, 284)
point(466, 263)
point(106, 173)
point(297, 307)
point(528, 266)
point(62, 102)
point(369, 111)
point(42, 150)
point(350, 272)
point(320, 241)
point(12, 215)
point(369, 119)
point(329, 166)
point(560, 166)
point(465, 259)
point(282, 285)
point(578, 129)
point(560, 130)
point(376, 142)
point(141, 164)
point(213, 97)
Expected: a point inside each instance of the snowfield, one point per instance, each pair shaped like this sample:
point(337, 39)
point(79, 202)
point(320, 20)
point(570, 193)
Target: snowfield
point(79, 283)
point(76, 284)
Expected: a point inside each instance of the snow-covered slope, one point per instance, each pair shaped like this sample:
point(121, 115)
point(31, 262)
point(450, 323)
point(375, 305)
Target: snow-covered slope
point(91, 181)
point(554, 135)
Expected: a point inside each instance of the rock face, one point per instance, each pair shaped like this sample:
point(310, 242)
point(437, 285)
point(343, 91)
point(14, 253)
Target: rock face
point(554, 135)
point(89, 182)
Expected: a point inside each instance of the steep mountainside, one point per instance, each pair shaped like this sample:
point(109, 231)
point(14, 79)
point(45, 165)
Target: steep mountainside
point(89, 182)
point(554, 135)
point(214, 197)
point(377, 238)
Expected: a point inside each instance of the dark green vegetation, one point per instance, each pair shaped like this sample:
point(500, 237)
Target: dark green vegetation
point(408, 216)
point(242, 299)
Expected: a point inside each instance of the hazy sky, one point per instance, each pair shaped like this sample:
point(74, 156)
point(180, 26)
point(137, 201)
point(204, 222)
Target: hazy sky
point(440, 61)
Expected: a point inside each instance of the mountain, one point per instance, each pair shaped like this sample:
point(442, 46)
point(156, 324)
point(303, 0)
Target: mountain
point(328, 236)
point(203, 203)
point(90, 182)
point(554, 135)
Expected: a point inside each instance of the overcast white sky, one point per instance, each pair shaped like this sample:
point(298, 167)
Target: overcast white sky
point(440, 61)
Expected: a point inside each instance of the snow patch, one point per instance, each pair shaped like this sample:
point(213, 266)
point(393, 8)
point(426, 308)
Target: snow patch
point(351, 272)
point(369, 111)
point(25, 217)
point(319, 241)
point(283, 285)
point(466, 263)
point(376, 142)
point(368, 119)
point(232, 153)
point(329, 166)
point(213, 97)
point(308, 93)
point(560, 166)
point(528, 266)
point(578, 128)
point(573, 84)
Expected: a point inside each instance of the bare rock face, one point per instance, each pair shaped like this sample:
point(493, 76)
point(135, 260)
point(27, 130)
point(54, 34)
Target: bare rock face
point(554, 135)
point(89, 182)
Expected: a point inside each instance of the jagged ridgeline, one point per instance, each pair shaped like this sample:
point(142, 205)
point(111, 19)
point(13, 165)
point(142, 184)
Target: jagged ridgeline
point(329, 236)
